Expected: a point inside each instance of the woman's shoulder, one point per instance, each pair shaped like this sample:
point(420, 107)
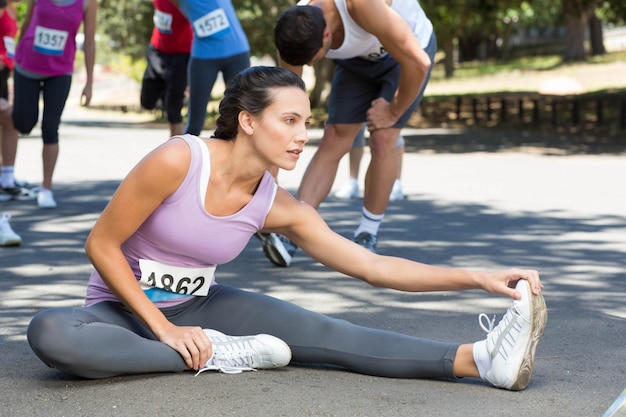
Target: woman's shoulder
point(173, 153)
point(287, 210)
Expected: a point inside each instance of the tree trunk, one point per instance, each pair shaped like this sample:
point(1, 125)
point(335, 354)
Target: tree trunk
point(448, 60)
point(595, 35)
point(324, 69)
point(575, 25)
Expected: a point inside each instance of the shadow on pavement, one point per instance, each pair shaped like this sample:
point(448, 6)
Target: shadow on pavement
point(499, 140)
point(583, 277)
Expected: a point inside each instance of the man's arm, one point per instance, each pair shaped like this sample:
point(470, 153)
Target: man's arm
point(379, 19)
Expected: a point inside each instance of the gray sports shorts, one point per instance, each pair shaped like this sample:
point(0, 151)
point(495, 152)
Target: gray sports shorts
point(357, 82)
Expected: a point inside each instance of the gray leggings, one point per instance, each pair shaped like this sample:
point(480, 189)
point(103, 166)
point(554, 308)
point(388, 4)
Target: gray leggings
point(106, 339)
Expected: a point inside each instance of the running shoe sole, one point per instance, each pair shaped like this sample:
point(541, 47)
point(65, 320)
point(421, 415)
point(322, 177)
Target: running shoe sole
point(276, 252)
point(539, 318)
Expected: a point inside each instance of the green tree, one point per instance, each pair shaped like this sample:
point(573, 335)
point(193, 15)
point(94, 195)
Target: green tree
point(577, 14)
point(470, 25)
point(526, 14)
point(258, 18)
point(613, 12)
point(21, 11)
point(127, 24)
point(449, 23)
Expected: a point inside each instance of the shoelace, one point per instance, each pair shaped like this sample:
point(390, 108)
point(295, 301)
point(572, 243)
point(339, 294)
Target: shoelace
point(490, 322)
point(505, 334)
point(234, 361)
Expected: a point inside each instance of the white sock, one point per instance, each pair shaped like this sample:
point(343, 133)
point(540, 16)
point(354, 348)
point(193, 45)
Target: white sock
point(482, 358)
point(369, 222)
point(353, 181)
point(6, 176)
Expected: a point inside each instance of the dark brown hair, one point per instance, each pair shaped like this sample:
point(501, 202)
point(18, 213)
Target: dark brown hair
point(250, 91)
point(298, 34)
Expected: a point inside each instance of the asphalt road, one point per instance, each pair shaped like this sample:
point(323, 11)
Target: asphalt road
point(478, 207)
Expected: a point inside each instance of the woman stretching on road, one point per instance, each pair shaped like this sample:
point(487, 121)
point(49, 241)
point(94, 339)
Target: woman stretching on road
point(192, 204)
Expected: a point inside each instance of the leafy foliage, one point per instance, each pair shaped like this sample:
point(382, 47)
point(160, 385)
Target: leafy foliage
point(21, 7)
point(127, 24)
point(258, 18)
point(613, 12)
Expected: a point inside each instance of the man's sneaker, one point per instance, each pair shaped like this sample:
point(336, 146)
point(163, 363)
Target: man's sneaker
point(45, 199)
point(367, 240)
point(17, 192)
point(21, 183)
point(277, 248)
point(396, 192)
point(348, 191)
point(512, 343)
point(7, 236)
point(235, 354)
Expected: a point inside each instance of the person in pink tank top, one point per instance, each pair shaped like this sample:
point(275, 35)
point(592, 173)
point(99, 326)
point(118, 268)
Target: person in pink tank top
point(193, 204)
point(44, 64)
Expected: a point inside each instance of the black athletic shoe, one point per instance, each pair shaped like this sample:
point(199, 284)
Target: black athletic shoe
point(17, 192)
point(278, 248)
point(367, 240)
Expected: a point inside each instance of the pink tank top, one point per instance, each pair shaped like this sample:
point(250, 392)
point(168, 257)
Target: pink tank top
point(48, 46)
point(182, 235)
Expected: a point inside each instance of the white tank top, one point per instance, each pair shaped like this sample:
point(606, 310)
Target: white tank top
point(360, 43)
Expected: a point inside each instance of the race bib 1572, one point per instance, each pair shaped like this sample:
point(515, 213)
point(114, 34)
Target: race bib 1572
point(211, 23)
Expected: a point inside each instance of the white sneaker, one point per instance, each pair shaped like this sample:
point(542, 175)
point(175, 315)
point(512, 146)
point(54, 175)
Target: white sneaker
point(7, 236)
point(45, 198)
point(396, 192)
point(512, 343)
point(235, 354)
point(618, 408)
point(348, 191)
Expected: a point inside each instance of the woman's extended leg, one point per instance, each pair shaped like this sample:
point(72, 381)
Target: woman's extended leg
point(316, 338)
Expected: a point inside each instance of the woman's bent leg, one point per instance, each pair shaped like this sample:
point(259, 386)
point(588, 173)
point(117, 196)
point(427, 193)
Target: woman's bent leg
point(99, 341)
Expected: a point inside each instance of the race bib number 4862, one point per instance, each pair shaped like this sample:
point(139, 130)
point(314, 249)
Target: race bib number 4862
point(50, 41)
point(177, 279)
